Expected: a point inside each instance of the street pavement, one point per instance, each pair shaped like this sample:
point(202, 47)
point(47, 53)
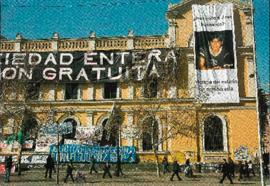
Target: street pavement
point(36, 177)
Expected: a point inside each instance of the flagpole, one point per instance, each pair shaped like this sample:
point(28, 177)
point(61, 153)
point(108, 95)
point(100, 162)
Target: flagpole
point(256, 91)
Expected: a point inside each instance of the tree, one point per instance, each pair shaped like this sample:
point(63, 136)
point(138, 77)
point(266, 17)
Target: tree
point(16, 110)
point(159, 79)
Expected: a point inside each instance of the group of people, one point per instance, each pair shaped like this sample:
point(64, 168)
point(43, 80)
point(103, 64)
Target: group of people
point(50, 166)
point(176, 168)
point(228, 170)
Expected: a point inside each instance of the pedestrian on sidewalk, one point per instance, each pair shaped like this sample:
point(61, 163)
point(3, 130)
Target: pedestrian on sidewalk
point(250, 168)
point(165, 165)
point(70, 169)
point(241, 170)
point(188, 170)
point(49, 166)
point(226, 172)
point(93, 165)
point(176, 170)
point(8, 166)
point(119, 166)
point(246, 169)
point(231, 167)
point(106, 170)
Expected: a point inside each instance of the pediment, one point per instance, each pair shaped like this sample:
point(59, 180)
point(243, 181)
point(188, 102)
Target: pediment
point(177, 10)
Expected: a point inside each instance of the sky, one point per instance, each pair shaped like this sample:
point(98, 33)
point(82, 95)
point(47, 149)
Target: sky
point(38, 19)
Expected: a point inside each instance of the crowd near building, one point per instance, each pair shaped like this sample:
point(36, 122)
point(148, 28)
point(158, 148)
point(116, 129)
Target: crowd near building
point(153, 101)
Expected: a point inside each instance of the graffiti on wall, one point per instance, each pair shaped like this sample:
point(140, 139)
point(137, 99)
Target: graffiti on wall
point(241, 153)
point(83, 153)
point(53, 129)
point(43, 143)
point(34, 159)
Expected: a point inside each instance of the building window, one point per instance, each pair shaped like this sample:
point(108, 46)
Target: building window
point(213, 134)
point(151, 88)
point(108, 137)
point(74, 125)
point(150, 135)
point(29, 127)
point(71, 91)
point(32, 91)
point(110, 90)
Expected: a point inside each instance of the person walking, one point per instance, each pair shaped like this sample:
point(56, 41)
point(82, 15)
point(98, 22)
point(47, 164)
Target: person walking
point(250, 168)
point(241, 170)
point(49, 166)
point(246, 169)
point(106, 170)
point(70, 169)
point(176, 169)
point(93, 165)
point(231, 167)
point(226, 172)
point(8, 166)
point(165, 165)
point(188, 169)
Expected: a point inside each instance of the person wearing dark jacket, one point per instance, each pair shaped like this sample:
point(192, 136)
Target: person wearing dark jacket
point(231, 167)
point(49, 166)
point(246, 169)
point(165, 165)
point(106, 170)
point(188, 169)
point(250, 168)
point(241, 170)
point(176, 169)
point(70, 168)
point(226, 172)
point(8, 166)
point(93, 163)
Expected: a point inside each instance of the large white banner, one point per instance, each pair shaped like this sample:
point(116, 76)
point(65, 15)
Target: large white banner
point(215, 54)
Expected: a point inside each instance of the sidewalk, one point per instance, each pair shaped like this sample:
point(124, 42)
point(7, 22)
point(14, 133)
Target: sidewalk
point(36, 177)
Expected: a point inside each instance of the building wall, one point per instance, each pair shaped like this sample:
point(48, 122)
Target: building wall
point(241, 119)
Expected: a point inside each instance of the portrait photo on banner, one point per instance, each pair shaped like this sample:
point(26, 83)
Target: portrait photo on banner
point(214, 50)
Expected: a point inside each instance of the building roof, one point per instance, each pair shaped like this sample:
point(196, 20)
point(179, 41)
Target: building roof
point(185, 5)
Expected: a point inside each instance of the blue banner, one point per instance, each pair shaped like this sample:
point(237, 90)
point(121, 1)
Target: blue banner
point(83, 153)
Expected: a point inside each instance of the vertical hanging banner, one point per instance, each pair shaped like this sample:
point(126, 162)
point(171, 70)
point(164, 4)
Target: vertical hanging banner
point(215, 54)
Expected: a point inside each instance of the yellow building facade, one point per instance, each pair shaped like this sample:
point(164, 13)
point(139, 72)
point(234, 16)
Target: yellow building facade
point(91, 105)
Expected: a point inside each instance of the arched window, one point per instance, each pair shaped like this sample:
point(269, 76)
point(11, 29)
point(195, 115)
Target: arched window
point(74, 124)
point(213, 134)
point(108, 137)
point(29, 126)
point(150, 134)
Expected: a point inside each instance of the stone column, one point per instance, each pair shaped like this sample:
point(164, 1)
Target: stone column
point(90, 91)
point(130, 41)
point(62, 92)
point(171, 42)
point(249, 27)
point(18, 40)
point(79, 92)
point(172, 93)
point(118, 91)
point(17, 47)
point(191, 75)
point(92, 41)
point(55, 39)
point(131, 91)
point(51, 96)
point(89, 119)
point(130, 124)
